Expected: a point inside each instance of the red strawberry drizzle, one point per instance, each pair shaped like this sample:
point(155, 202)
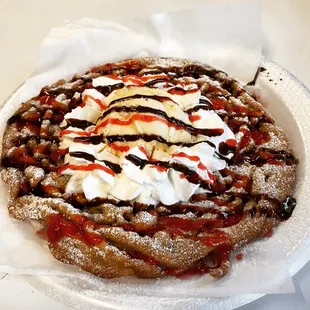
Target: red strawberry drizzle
point(145, 258)
point(142, 150)
point(81, 133)
point(160, 168)
point(22, 156)
point(29, 126)
point(239, 256)
point(101, 105)
point(89, 167)
point(260, 137)
point(194, 118)
point(120, 148)
point(218, 103)
point(31, 116)
point(180, 91)
point(51, 101)
point(77, 227)
point(58, 154)
point(231, 142)
point(40, 149)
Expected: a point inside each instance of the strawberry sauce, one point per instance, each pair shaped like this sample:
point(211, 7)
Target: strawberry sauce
point(89, 167)
point(77, 228)
point(101, 105)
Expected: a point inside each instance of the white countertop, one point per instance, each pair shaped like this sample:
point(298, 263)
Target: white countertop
point(24, 23)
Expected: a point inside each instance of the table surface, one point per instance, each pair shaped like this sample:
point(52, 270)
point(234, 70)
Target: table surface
point(24, 23)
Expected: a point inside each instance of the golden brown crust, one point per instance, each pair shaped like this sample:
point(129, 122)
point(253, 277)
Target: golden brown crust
point(257, 205)
point(104, 260)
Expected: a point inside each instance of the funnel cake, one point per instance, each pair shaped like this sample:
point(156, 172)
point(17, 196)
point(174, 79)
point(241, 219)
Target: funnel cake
point(149, 167)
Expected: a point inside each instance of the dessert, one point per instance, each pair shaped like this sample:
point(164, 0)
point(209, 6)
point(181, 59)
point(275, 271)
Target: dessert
point(149, 167)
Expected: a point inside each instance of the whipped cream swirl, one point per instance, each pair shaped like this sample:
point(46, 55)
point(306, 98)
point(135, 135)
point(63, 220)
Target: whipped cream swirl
point(142, 144)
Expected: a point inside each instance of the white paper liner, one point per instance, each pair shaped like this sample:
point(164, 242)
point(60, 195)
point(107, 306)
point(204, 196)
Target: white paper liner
point(227, 36)
point(78, 45)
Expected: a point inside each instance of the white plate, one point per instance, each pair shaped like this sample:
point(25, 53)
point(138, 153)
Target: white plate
point(289, 103)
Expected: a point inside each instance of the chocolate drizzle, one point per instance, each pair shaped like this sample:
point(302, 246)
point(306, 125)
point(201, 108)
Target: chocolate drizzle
point(77, 123)
point(287, 207)
point(97, 139)
point(220, 156)
point(151, 83)
point(199, 107)
point(146, 97)
point(191, 176)
point(225, 149)
point(83, 155)
point(115, 167)
point(142, 109)
point(107, 90)
point(153, 72)
point(253, 82)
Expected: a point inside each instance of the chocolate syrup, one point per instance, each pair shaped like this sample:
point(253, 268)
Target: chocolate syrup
point(138, 96)
point(95, 140)
point(149, 138)
point(220, 156)
point(115, 167)
point(83, 155)
point(263, 157)
point(107, 90)
point(77, 123)
point(14, 118)
point(252, 211)
point(142, 109)
point(229, 206)
point(208, 106)
point(253, 82)
point(191, 176)
point(197, 71)
point(151, 83)
point(287, 207)
point(153, 72)
point(225, 149)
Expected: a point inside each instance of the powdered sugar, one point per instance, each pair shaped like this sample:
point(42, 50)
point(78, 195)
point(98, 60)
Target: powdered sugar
point(34, 172)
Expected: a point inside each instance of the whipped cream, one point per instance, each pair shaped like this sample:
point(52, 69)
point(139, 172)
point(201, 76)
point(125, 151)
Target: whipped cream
point(159, 143)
